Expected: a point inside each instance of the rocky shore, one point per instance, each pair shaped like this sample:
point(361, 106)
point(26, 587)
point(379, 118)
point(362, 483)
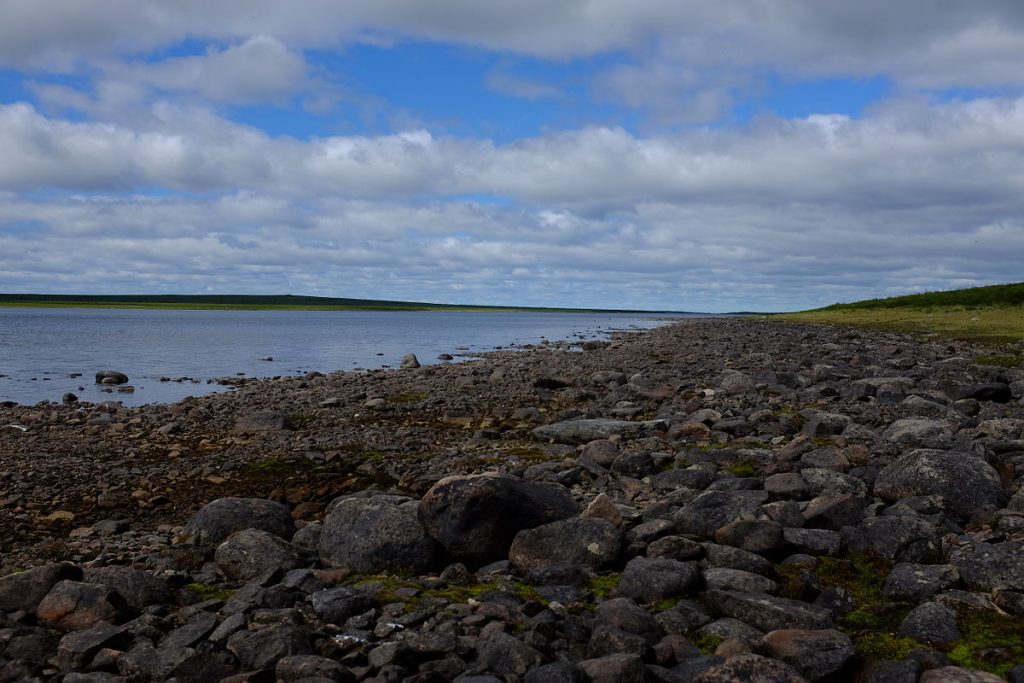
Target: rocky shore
point(714, 500)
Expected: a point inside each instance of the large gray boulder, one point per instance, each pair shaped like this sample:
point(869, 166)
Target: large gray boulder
point(220, 518)
point(376, 534)
point(814, 653)
point(246, 554)
point(965, 481)
point(25, 590)
point(476, 517)
point(712, 510)
point(990, 566)
point(578, 542)
point(577, 432)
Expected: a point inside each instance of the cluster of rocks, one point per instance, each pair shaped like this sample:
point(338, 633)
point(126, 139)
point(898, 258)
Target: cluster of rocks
point(703, 502)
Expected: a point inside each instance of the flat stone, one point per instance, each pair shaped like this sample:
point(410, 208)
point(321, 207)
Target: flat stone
point(814, 653)
point(579, 542)
point(768, 612)
point(576, 432)
point(648, 579)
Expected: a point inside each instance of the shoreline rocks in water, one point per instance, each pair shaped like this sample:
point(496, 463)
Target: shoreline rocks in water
point(715, 500)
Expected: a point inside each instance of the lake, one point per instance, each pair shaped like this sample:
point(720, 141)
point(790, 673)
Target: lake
point(40, 348)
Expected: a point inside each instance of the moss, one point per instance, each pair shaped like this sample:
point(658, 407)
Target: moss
point(822, 441)
point(708, 643)
point(407, 397)
point(602, 586)
point(662, 605)
point(990, 641)
point(874, 646)
point(529, 454)
point(742, 469)
point(205, 592)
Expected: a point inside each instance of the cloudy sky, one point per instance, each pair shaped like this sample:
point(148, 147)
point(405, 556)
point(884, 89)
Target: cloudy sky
point(655, 154)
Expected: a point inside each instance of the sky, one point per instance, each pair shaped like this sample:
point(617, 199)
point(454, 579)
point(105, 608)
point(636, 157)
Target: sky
point(698, 155)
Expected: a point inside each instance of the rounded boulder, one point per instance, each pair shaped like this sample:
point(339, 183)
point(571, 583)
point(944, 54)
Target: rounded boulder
point(475, 518)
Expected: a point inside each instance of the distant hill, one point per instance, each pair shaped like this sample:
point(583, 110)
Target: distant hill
point(274, 302)
point(992, 295)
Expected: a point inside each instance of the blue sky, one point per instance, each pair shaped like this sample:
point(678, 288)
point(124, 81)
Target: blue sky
point(690, 156)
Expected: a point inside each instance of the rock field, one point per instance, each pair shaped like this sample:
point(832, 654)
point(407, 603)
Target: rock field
point(715, 500)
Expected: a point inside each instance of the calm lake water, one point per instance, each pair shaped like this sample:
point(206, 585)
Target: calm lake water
point(41, 347)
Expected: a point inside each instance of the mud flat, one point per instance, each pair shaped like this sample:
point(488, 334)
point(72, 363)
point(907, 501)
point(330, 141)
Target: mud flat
point(715, 500)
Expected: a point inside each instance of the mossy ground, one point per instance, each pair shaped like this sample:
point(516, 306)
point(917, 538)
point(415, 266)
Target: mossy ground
point(207, 592)
point(989, 641)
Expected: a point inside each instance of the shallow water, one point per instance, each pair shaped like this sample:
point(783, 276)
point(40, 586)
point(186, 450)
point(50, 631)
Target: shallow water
point(41, 347)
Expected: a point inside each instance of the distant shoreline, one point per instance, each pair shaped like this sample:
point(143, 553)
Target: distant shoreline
point(272, 303)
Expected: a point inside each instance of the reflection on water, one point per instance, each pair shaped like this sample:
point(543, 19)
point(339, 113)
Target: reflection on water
point(40, 349)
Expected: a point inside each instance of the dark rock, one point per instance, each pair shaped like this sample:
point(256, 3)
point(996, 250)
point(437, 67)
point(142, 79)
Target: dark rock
point(139, 588)
point(616, 668)
point(507, 655)
point(905, 671)
point(990, 566)
point(652, 579)
point(263, 421)
point(902, 539)
point(373, 535)
point(834, 511)
point(265, 647)
point(25, 590)
point(913, 431)
point(997, 392)
point(767, 612)
point(475, 518)
point(815, 654)
point(724, 578)
point(750, 668)
point(966, 482)
point(624, 615)
point(813, 541)
point(555, 672)
point(297, 667)
point(338, 604)
point(72, 605)
point(583, 542)
point(246, 554)
point(736, 558)
point(753, 535)
point(958, 674)
point(931, 623)
point(712, 510)
point(188, 634)
point(205, 667)
point(111, 377)
point(76, 649)
point(582, 431)
point(918, 582)
point(220, 518)
point(635, 464)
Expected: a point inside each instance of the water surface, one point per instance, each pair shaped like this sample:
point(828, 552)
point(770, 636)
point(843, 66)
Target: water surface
point(41, 347)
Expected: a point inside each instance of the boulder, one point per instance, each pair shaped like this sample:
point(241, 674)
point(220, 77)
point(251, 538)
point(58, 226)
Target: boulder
point(25, 590)
point(409, 362)
point(111, 377)
point(73, 605)
point(768, 612)
point(712, 510)
point(931, 623)
point(476, 517)
point(750, 667)
point(373, 535)
point(911, 582)
point(577, 432)
point(265, 647)
point(139, 588)
point(965, 481)
point(814, 653)
point(650, 579)
point(997, 392)
point(991, 566)
point(246, 554)
point(579, 542)
point(220, 518)
point(897, 538)
point(913, 431)
point(615, 668)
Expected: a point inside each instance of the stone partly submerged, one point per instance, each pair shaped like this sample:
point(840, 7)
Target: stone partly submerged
point(714, 500)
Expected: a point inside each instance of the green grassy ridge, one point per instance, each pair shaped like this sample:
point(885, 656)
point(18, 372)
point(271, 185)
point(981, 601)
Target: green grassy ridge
point(991, 295)
point(262, 302)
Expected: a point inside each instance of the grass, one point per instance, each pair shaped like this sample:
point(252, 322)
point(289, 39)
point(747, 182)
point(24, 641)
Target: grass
point(995, 324)
point(602, 586)
point(206, 592)
point(988, 314)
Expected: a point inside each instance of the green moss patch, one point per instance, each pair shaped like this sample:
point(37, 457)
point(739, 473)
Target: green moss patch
point(990, 641)
point(602, 586)
point(206, 592)
point(1001, 360)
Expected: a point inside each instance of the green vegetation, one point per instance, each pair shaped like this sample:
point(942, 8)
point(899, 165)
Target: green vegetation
point(708, 643)
point(390, 588)
point(989, 641)
point(408, 397)
point(742, 469)
point(602, 586)
point(1001, 361)
point(253, 302)
point(206, 592)
point(988, 314)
